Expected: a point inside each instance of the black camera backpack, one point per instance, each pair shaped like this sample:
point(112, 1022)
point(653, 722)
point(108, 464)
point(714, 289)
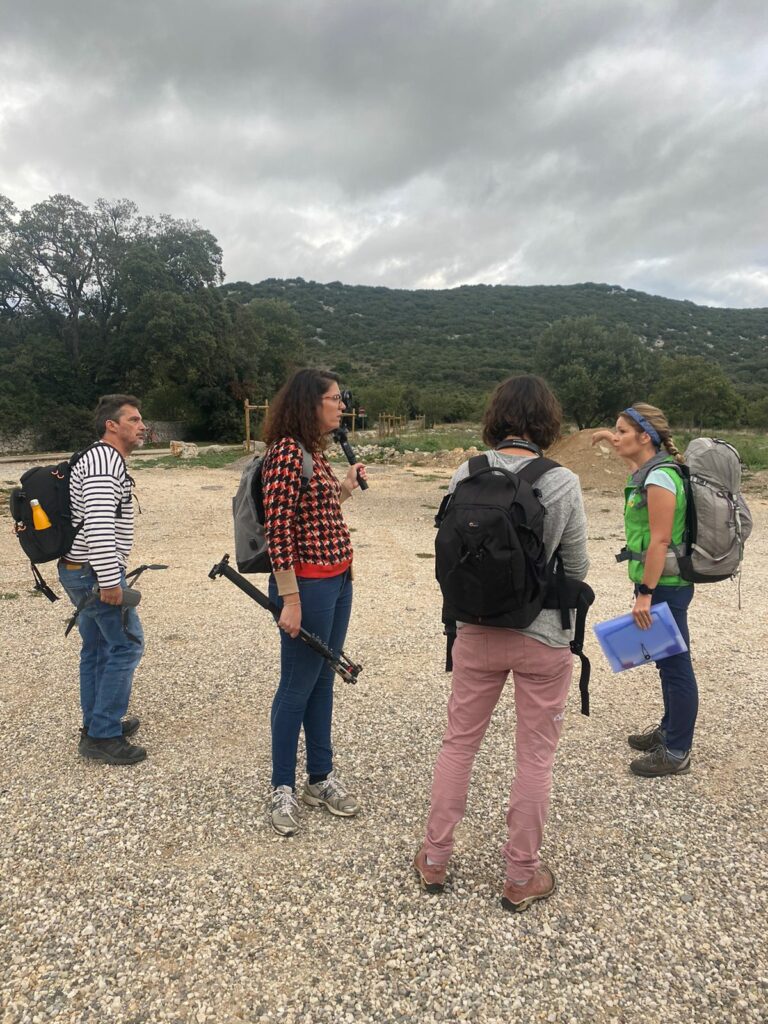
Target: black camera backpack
point(49, 485)
point(490, 559)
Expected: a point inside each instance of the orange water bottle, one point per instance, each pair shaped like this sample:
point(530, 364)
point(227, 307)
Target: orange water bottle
point(39, 518)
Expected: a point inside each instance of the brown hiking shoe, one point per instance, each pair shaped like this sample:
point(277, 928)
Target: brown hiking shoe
point(431, 876)
point(519, 897)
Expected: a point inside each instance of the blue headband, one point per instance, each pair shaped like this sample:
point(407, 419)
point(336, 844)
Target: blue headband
point(641, 421)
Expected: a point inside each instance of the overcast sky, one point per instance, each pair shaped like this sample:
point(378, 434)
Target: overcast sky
point(411, 143)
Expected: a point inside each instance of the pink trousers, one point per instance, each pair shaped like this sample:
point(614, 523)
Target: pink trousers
point(482, 660)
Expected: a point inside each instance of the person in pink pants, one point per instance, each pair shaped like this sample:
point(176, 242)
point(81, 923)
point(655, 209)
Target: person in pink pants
point(522, 419)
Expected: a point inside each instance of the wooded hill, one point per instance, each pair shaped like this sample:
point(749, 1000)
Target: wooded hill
point(470, 337)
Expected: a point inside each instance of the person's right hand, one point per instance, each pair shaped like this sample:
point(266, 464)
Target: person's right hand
point(290, 619)
point(603, 435)
point(111, 595)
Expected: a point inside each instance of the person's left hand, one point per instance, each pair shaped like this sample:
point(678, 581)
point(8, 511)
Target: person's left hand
point(641, 611)
point(350, 479)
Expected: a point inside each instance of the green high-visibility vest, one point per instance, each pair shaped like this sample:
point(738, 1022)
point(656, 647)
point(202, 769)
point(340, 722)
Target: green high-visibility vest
point(638, 531)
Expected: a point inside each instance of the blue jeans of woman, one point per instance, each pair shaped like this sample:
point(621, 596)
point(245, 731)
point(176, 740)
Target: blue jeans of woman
point(305, 694)
point(679, 689)
point(108, 657)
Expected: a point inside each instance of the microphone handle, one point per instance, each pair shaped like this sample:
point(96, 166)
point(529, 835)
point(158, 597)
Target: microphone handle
point(346, 447)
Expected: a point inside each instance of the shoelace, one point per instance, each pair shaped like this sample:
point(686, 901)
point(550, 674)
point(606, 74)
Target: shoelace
point(284, 801)
point(334, 787)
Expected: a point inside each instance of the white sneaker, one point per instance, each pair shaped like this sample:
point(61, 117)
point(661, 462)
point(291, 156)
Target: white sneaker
point(333, 794)
point(284, 811)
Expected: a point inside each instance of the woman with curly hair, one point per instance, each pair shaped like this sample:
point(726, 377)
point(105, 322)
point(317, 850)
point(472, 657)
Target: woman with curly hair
point(522, 418)
point(309, 546)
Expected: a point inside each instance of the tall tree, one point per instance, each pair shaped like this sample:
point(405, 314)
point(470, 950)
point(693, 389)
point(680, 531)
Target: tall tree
point(594, 371)
point(695, 392)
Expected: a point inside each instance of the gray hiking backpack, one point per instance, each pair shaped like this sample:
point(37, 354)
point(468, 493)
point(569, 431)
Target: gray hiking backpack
point(248, 514)
point(718, 521)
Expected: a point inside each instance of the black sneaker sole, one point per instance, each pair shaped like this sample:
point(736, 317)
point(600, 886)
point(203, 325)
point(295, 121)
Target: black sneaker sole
point(105, 758)
point(660, 775)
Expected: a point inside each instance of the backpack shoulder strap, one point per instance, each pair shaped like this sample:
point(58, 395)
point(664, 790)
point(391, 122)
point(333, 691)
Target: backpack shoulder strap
point(94, 444)
point(307, 468)
point(478, 464)
point(536, 468)
point(657, 462)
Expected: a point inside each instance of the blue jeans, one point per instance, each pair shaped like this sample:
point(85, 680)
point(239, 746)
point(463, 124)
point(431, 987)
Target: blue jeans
point(108, 657)
point(679, 689)
point(305, 694)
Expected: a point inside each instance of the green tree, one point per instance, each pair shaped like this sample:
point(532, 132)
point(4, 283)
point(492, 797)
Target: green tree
point(595, 371)
point(694, 392)
point(104, 299)
point(757, 413)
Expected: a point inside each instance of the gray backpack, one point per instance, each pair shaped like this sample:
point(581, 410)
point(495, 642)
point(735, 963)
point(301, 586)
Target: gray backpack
point(248, 513)
point(718, 521)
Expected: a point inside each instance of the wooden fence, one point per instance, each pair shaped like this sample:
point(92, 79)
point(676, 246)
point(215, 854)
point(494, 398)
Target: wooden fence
point(391, 426)
point(248, 408)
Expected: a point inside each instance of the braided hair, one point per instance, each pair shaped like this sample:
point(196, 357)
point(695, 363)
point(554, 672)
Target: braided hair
point(658, 421)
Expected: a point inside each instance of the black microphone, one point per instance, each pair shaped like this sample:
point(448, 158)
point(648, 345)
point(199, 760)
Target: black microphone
point(340, 436)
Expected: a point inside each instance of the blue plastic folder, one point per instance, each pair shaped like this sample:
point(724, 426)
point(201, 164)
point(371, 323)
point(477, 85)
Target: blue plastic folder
point(625, 645)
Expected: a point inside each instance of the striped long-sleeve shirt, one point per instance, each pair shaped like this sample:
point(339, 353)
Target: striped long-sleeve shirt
point(100, 496)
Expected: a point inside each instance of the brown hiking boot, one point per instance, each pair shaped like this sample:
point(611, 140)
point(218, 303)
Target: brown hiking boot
point(519, 897)
point(431, 876)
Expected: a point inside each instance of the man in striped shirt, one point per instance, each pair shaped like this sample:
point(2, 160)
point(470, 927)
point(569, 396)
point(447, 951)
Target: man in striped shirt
point(113, 640)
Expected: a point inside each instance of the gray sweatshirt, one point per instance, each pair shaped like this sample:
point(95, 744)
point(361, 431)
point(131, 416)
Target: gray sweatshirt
point(565, 524)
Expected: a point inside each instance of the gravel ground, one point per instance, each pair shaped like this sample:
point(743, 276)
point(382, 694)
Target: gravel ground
point(159, 892)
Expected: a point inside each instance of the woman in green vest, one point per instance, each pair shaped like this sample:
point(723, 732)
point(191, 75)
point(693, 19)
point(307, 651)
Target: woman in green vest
point(654, 518)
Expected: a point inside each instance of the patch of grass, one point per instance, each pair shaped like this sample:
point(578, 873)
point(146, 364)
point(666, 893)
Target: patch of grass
point(437, 439)
point(425, 554)
point(210, 460)
point(9, 596)
point(753, 448)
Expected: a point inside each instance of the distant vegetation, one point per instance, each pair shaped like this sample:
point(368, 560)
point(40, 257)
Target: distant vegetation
point(103, 299)
point(441, 352)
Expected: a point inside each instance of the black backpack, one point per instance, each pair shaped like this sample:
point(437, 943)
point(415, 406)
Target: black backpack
point(490, 559)
point(49, 485)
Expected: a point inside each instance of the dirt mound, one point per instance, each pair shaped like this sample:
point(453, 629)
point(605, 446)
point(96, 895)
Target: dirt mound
point(598, 468)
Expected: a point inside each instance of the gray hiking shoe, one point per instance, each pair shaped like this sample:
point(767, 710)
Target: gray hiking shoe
point(284, 811)
point(333, 794)
point(658, 762)
point(652, 737)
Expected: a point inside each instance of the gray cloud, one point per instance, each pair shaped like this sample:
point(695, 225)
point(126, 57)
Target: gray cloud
point(414, 143)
